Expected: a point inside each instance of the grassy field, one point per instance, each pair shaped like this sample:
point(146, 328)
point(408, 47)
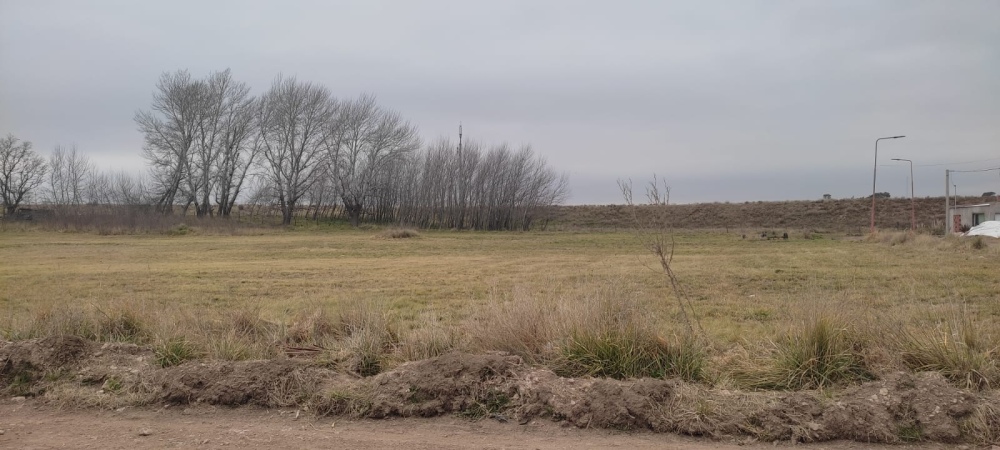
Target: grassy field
point(749, 295)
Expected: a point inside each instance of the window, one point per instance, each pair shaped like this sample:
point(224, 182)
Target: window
point(978, 218)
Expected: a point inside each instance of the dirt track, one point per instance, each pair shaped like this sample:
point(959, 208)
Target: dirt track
point(30, 425)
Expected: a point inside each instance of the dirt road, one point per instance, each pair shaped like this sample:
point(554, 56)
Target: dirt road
point(30, 425)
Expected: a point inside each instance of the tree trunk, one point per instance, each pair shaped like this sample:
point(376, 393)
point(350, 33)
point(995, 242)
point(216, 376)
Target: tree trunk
point(353, 213)
point(287, 213)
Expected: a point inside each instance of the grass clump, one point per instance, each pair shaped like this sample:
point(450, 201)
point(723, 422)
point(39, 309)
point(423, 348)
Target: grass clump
point(518, 324)
point(824, 352)
point(613, 335)
point(51, 321)
point(400, 233)
point(983, 425)
point(174, 351)
point(959, 349)
point(368, 335)
point(429, 338)
point(352, 402)
point(311, 327)
point(487, 404)
point(121, 324)
point(626, 354)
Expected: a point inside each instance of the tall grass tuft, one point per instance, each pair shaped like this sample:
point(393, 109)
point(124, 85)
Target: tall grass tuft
point(612, 334)
point(517, 323)
point(429, 338)
point(983, 425)
point(823, 352)
point(626, 354)
point(311, 327)
point(959, 349)
point(174, 351)
point(122, 323)
point(369, 335)
point(53, 321)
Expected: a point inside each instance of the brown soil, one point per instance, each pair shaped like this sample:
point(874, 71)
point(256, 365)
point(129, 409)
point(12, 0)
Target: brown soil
point(30, 425)
point(492, 388)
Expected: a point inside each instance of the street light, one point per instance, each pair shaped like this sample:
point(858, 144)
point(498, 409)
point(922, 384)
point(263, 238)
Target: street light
point(913, 207)
point(874, 174)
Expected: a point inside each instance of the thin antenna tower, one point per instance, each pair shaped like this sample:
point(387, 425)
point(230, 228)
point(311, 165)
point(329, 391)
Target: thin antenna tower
point(460, 137)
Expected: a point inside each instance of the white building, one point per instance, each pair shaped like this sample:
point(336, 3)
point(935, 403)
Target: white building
point(972, 215)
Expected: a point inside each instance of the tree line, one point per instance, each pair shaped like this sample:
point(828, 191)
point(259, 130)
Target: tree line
point(211, 146)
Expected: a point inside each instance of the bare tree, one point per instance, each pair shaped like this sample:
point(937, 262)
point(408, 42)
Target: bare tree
point(365, 138)
point(21, 171)
point(239, 144)
point(656, 235)
point(220, 157)
point(169, 130)
point(295, 131)
point(69, 174)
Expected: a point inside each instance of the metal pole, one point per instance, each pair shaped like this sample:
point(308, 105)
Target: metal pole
point(913, 206)
point(874, 174)
point(947, 201)
point(913, 203)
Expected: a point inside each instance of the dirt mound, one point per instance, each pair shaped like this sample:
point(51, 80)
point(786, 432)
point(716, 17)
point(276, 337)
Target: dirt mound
point(271, 383)
point(623, 405)
point(900, 408)
point(473, 384)
point(51, 352)
point(23, 363)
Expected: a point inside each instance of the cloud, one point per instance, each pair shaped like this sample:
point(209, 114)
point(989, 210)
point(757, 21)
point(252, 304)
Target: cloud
point(731, 95)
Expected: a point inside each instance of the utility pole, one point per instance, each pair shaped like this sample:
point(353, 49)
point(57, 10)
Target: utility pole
point(913, 204)
point(947, 205)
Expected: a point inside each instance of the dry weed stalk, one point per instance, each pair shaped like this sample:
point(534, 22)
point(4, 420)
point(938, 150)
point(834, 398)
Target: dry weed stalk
point(658, 237)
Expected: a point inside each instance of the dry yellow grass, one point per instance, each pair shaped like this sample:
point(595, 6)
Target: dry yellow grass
point(743, 290)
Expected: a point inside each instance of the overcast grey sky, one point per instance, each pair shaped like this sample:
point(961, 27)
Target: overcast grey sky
point(728, 100)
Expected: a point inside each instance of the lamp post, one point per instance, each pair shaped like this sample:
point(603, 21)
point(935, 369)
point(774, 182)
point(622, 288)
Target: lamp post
point(874, 174)
point(913, 205)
